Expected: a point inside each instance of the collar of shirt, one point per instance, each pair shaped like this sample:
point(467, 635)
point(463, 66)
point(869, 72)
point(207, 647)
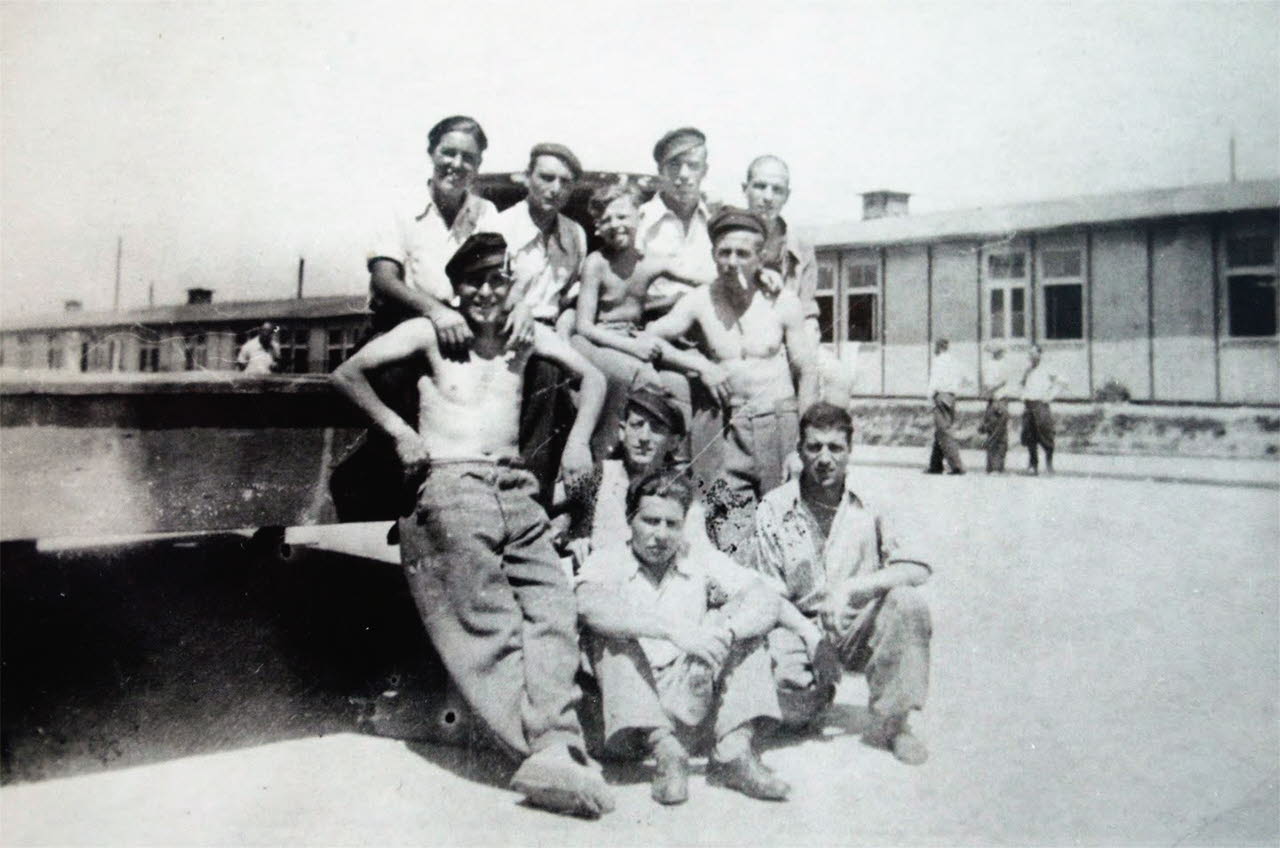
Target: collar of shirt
point(789, 496)
point(656, 210)
point(633, 569)
point(469, 211)
point(522, 231)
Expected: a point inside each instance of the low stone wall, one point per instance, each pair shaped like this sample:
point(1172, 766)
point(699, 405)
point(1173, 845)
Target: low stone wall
point(1086, 427)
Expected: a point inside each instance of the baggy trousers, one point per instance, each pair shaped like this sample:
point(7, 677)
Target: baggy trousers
point(1038, 430)
point(639, 698)
point(756, 445)
point(944, 443)
point(995, 425)
point(888, 641)
point(495, 601)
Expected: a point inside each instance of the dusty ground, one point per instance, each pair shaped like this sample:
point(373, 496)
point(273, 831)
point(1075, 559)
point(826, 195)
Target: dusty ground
point(1107, 661)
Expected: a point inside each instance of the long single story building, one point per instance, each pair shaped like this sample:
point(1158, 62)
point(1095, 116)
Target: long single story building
point(1169, 294)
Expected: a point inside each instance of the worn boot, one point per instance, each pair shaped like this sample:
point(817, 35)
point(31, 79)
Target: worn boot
point(749, 776)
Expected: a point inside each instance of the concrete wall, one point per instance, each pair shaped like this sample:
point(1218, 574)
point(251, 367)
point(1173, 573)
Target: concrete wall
point(1183, 311)
point(906, 334)
point(1119, 294)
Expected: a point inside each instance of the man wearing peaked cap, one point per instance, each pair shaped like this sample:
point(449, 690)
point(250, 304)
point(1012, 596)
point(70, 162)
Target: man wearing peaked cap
point(674, 223)
point(730, 218)
point(477, 591)
point(547, 250)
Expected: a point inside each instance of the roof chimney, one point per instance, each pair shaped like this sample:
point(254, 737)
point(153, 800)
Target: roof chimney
point(195, 296)
point(882, 203)
point(72, 305)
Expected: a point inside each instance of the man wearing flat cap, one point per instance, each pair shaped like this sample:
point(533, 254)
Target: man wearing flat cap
point(762, 374)
point(674, 223)
point(476, 549)
point(546, 252)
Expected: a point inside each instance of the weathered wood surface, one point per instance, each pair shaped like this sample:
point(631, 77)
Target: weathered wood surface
point(159, 453)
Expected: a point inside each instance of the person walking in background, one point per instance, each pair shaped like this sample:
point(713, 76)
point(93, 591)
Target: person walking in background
point(261, 354)
point(995, 421)
point(1039, 388)
point(945, 382)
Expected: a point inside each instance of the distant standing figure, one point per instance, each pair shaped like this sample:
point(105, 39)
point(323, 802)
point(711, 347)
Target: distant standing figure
point(945, 382)
point(1039, 387)
point(261, 354)
point(995, 421)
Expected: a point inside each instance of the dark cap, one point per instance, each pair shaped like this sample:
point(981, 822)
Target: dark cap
point(480, 251)
point(730, 218)
point(659, 407)
point(559, 151)
point(676, 142)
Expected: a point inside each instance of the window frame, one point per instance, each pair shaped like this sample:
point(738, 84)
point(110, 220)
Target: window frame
point(295, 339)
point(349, 336)
point(1006, 285)
point(1045, 282)
point(864, 261)
point(1228, 271)
point(830, 295)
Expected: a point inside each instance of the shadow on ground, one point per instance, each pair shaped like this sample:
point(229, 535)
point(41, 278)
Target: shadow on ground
point(131, 654)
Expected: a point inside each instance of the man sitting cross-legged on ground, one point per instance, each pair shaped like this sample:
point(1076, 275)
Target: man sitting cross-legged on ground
point(676, 643)
point(763, 372)
point(477, 552)
point(847, 583)
point(610, 309)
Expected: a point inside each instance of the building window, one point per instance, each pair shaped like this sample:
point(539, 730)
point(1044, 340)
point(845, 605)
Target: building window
point(862, 286)
point(825, 296)
point(295, 350)
point(148, 355)
point(25, 357)
point(97, 355)
point(1006, 302)
point(196, 351)
point(1062, 271)
point(1251, 285)
point(341, 341)
point(56, 356)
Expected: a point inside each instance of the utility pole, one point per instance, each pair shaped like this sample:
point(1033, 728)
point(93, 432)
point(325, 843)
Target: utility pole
point(115, 301)
point(151, 294)
point(301, 263)
point(1232, 156)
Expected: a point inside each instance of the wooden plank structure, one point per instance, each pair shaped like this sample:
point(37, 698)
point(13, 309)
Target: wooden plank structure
point(156, 453)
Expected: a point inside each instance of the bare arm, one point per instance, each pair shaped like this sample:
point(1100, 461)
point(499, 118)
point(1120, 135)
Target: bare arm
point(386, 280)
point(406, 341)
point(675, 323)
point(589, 306)
point(802, 351)
point(610, 612)
point(576, 463)
point(798, 623)
point(756, 610)
point(858, 590)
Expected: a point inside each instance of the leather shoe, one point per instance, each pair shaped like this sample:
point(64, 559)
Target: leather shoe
point(749, 776)
point(671, 779)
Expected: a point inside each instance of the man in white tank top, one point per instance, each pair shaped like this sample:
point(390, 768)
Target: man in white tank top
point(477, 551)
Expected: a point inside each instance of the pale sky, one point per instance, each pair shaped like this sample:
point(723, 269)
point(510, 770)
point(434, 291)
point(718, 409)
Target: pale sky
point(223, 141)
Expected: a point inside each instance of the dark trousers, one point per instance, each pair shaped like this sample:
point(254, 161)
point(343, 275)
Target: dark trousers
point(495, 601)
point(944, 443)
point(546, 417)
point(995, 426)
point(1038, 431)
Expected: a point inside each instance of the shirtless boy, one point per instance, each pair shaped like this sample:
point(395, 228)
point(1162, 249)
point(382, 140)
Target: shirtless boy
point(477, 552)
point(763, 372)
point(611, 302)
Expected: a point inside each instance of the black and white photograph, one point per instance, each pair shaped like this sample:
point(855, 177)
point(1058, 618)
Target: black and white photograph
point(498, 423)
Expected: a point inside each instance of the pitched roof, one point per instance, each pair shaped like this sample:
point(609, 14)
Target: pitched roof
point(282, 310)
point(1054, 214)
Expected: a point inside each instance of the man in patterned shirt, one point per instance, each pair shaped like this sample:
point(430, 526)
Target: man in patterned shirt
point(849, 584)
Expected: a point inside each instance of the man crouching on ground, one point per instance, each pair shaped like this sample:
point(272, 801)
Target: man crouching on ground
point(676, 641)
point(477, 553)
point(846, 584)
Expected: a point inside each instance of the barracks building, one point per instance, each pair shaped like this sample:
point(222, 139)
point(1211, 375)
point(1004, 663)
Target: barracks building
point(1169, 295)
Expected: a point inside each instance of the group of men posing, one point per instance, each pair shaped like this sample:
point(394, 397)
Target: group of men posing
point(656, 393)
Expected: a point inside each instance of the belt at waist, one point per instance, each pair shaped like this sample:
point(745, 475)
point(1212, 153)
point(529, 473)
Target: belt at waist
point(516, 462)
point(748, 409)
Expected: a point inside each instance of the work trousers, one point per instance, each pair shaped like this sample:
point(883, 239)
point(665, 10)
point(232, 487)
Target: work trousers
point(995, 427)
point(495, 601)
point(888, 641)
point(680, 697)
point(1038, 431)
point(624, 373)
point(944, 443)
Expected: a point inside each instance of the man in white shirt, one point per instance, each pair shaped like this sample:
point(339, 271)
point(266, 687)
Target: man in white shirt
point(1039, 388)
point(674, 223)
point(945, 382)
point(677, 647)
point(261, 354)
point(546, 251)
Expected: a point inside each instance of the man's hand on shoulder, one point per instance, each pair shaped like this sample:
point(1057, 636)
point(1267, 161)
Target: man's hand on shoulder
point(771, 281)
point(452, 333)
point(520, 325)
